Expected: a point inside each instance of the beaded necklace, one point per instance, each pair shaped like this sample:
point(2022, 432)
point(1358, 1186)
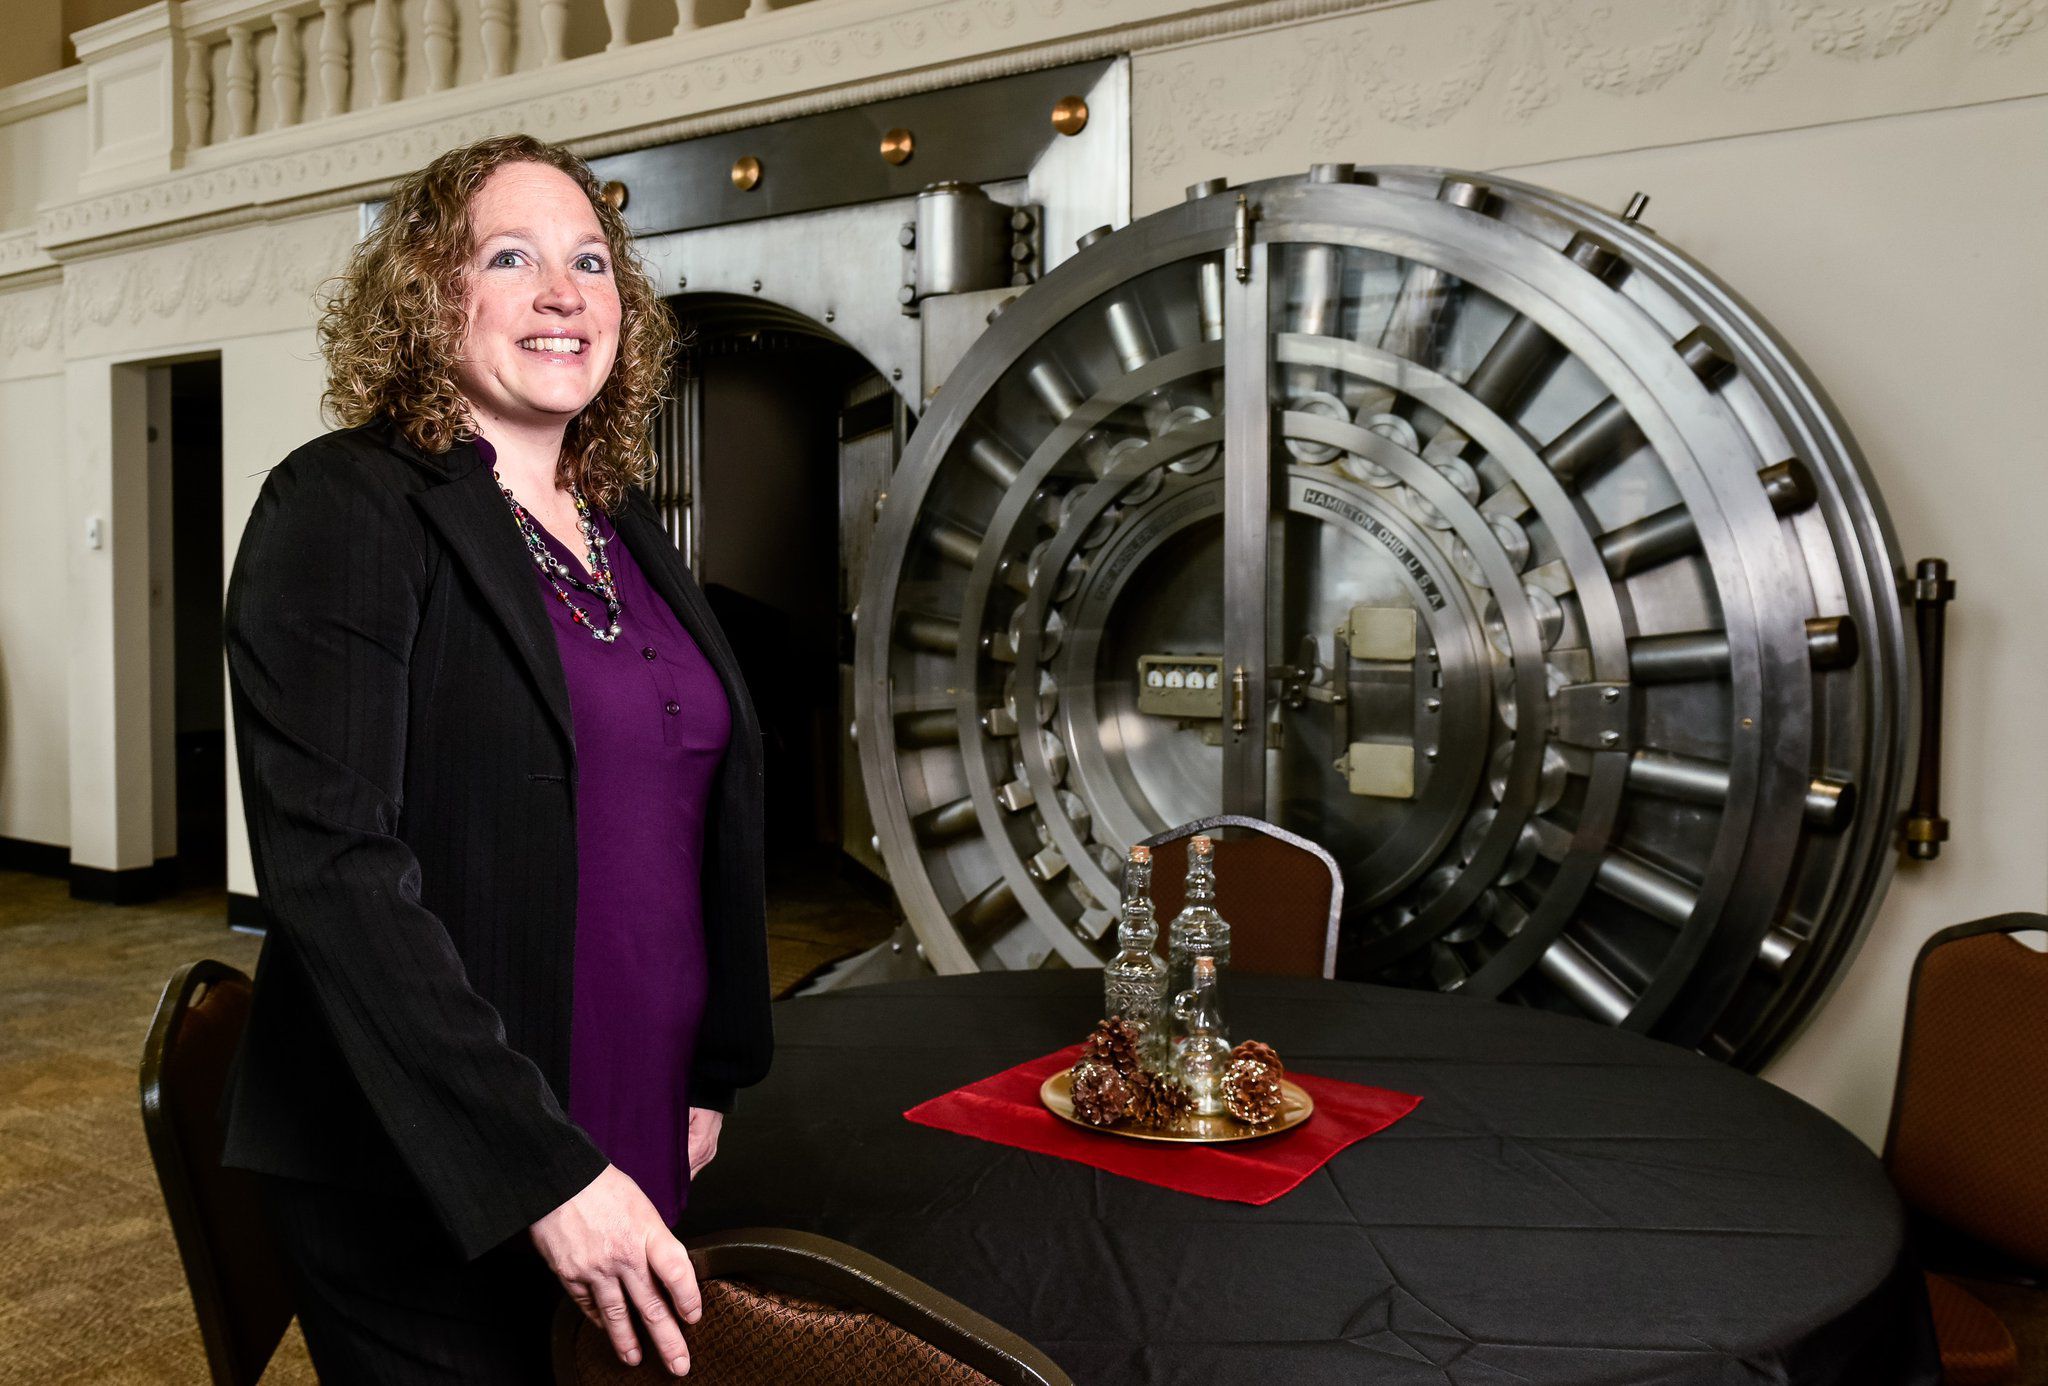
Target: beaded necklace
point(555, 570)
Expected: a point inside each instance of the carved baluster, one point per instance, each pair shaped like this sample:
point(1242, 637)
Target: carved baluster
point(616, 12)
point(334, 56)
point(386, 43)
point(198, 92)
point(241, 81)
point(554, 29)
point(756, 8)
point(495, 20)
point(686, 16)
point(440, 44)
point(287, 69)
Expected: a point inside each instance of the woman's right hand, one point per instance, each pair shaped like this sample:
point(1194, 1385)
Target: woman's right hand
point(609, 1248)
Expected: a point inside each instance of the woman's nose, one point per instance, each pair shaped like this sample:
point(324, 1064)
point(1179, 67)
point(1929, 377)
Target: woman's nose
point(558, 292)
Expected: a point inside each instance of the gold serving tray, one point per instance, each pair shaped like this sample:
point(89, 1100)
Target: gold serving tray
point(1296, 1106)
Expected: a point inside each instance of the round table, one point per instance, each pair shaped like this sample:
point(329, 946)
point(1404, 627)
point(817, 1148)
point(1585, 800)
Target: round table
point(1570, 1203)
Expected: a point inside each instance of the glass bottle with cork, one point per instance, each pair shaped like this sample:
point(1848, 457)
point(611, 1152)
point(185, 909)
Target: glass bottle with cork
point(1201, 1053)
point(1134, 981)
point(1198, 931)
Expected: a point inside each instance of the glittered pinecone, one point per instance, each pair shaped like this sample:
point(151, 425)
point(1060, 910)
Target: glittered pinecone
point(1258, 1051)
point(1251, 1090)
point(1159, 1099)
point(1115, 1042)
point(1102, 1096)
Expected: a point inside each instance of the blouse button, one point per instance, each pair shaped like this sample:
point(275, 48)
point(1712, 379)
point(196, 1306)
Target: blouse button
point(647, 653)
point(672, 707)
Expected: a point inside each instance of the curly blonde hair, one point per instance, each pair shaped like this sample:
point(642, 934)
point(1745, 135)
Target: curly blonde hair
point(393, 330)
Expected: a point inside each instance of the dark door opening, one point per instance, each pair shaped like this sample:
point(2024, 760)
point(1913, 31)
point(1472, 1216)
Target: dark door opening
point(197, 586)
point(781, 438)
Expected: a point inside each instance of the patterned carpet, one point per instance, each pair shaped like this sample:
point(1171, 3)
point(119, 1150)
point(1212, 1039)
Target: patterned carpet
point(90, 1285)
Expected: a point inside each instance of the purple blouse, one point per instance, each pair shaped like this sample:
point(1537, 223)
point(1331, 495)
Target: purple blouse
point(651, 723)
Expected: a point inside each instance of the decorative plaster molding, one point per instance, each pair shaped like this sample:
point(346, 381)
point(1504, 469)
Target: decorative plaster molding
point(31, 338)
point(123, 31)
point(790, 61)
point(19, 254)
point(239, 283)
point(1414, 66)
point(1519, 63)
point(2003, 22)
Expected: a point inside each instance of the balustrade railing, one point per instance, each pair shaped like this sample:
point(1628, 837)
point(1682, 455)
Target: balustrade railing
point(245, 64)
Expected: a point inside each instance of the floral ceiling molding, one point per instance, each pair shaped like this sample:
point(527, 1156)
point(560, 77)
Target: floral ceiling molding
point(1515, 59)
point(805, 57)
point(1415, 67)
point(19, 254)
point(236, 283)
point(31, 339)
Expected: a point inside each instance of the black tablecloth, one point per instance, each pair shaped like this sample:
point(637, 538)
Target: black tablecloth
point(1569, 1204)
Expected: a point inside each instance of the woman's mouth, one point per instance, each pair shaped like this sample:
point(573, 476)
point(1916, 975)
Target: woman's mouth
point(570, 346)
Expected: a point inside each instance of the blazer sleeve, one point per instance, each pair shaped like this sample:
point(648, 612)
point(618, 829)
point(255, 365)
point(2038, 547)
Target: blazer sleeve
point(322, 610)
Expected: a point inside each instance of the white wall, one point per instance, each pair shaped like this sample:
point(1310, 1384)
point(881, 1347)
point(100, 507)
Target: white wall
point(270, 392)
point(35, 783)
point(40, 159)
point(1902, 258)
point(247, 294)
point(105, 462)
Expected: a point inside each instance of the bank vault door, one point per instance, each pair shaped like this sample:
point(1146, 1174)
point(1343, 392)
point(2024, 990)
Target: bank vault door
point(1466, 529)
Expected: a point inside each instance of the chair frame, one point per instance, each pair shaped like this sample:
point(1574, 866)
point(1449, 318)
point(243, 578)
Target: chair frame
point(851, 1276)
point(174, 1173)
point(1261, 826)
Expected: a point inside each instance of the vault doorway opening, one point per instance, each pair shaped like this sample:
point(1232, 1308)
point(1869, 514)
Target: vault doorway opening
point(775, 450)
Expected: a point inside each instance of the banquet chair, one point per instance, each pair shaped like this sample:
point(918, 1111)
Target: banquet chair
point(1968, 1141)
point(238, 1288)
point(784, 1306)
point(1281, 893)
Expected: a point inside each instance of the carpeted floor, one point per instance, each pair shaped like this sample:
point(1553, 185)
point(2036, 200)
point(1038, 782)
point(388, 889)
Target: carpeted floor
point(90, 1285)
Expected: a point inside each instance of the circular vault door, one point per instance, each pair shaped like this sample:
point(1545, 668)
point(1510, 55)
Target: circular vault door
point(1459, 526)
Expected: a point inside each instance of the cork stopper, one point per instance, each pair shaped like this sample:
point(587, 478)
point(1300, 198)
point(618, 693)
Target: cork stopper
point(1141, 853)
point(1205, 968)
point(1201, 845)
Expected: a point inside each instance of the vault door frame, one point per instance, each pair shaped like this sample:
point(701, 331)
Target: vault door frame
point(1251, 534)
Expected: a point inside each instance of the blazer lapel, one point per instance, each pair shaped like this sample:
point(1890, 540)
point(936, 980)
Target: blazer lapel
point(472, 517)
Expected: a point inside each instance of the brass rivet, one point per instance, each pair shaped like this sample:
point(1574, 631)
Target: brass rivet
point(1070, 115)
point(616, 194)
point(746, 173)
point(897, 146)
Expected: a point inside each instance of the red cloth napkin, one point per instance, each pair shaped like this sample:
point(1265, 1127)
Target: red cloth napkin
point(1005, 1109)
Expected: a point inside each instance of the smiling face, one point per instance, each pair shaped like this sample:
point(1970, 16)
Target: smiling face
point(543, 308)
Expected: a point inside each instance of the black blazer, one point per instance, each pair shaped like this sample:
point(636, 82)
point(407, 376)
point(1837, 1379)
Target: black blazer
point(408, 773)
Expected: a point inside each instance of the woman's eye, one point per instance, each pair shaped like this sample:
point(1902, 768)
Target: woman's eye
point(505, 259)
point(590, 264)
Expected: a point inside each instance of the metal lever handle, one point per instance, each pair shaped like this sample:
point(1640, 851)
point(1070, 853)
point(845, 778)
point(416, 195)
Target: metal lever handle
point(1243, 254)
point(1240, 699)
point(1932, 589)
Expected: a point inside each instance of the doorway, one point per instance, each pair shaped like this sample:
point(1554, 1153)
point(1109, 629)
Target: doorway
point(778, 443)
point(189, 702)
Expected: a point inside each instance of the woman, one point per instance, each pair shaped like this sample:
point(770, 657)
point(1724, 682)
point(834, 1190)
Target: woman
point(503, 787)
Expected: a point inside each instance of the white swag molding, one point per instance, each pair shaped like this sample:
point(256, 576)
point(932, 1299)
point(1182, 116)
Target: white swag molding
point(245, 139)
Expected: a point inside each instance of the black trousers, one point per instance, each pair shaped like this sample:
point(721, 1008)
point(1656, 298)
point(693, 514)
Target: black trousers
point(384, 1299)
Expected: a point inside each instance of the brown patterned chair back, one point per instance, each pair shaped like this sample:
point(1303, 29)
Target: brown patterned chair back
point(855, 1319)
point(1281, 893)
point(238, 1288)
point(1968, 1144)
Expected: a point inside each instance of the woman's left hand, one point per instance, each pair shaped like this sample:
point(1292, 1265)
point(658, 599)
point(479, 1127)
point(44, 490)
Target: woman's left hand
point(705, 1124)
